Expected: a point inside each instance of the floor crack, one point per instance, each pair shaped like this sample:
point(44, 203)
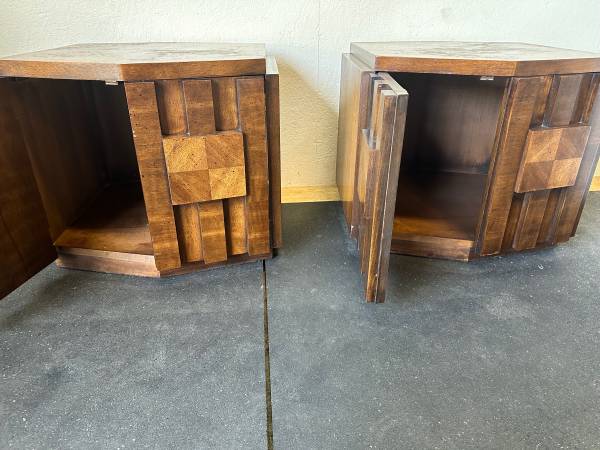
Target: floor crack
point(269, 406)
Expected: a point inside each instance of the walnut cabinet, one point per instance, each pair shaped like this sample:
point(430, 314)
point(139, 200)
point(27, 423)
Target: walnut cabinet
point(461, 150)
point(143, 159)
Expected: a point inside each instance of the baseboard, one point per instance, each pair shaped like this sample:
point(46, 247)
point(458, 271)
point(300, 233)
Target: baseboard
point(301, 194)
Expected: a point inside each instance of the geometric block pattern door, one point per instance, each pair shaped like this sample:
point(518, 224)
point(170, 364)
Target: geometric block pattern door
point(208, 165)
point(379, 153)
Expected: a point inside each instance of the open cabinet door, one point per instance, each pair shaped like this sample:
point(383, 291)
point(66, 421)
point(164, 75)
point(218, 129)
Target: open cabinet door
point(379, 155)
point(25, 244)
point(371, 131)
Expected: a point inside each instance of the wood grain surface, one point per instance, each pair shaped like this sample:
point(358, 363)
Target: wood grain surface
point(145, 124)
point(474, 58)
point(137, 62)
point(273, 112)
point(252, 116)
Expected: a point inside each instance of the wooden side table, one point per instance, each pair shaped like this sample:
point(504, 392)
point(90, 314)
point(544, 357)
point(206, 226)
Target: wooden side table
point(460, 150)
point(143, 159)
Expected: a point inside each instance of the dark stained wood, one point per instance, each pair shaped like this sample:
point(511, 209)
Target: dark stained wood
point(198, 98)
point(13, 272)
point(252, 117)
point(143, 110)
point(138, 62)
point(432, 246)
point(24, 238)
point(450, 137)
point(225, 99)
point(212, 226)
point(520, 108)
point(389, 143)
point(171, 107)
point(231, 260)
point(471, 182)
point(528, 214)
point(172, 111)
point(530, 220)
point(272, 104)
point(107, 261)
point(442, 204)
point(204, 168)
point(549, 221)
point(354, 93)
point(451, 121)
point(114, 130)
point(64, 152)
point(512, 221)
point(116, 221)
point(187, 221)
point(379, 155)
point(562, 100)
point(199, 106)
point(575, 195)
point(93, 147)
point(551, 157)
point(566, 108)
point(474, 58)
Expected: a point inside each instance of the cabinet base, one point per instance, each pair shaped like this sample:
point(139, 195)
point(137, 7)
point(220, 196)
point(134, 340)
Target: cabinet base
point(432, 247)
point(135, 264)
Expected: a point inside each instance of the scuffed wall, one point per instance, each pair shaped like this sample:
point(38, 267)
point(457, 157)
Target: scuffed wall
point(307, 37)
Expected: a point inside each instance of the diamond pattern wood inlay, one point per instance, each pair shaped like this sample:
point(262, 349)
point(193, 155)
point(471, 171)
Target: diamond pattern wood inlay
point(204, 168)
point(551, 158)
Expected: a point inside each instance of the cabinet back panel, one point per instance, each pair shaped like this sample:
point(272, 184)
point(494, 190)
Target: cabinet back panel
point(451, 121)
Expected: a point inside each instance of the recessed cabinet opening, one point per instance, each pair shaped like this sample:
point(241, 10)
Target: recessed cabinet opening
point(81, 149)
point(449, 137)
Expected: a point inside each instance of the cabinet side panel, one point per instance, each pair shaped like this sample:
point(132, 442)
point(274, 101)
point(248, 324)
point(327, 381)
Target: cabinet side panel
point(352, 117)
point(66, 156)
point(145, 124)
point(521, 105)
point(272, 93)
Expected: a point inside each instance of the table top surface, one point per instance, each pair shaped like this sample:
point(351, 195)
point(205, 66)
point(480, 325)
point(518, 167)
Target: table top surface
point(134, 61)
point(504, 58)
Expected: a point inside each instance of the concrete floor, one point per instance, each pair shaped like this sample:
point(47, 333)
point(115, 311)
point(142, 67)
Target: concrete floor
point(498, 353)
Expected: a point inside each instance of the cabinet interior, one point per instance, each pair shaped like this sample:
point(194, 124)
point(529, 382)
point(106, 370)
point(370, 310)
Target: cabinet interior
point(448, 142)
point(79, 142)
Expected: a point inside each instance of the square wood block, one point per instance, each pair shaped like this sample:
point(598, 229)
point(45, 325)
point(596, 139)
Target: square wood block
point(552, 158)
point(204, 168)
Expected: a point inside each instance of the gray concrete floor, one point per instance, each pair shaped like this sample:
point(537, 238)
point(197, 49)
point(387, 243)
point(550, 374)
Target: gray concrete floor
point(497, 353)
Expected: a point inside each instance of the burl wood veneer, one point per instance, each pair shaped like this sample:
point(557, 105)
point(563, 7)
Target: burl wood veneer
point(144, 159)
point(460, 150)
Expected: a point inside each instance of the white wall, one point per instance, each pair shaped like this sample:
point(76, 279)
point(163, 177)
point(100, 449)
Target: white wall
point(307, 37)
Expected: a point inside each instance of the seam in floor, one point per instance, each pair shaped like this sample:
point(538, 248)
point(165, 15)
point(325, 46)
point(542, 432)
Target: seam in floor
point(269, 405)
